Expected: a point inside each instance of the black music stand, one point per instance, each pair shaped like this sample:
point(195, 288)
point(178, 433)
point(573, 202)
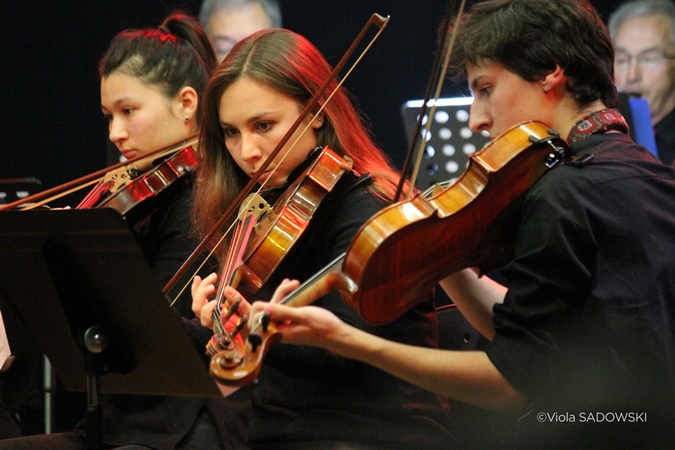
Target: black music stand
point(77, 282)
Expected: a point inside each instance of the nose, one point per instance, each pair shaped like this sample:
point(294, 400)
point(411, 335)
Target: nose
point(479, 118)
point(634, 70)
point(250, 151)
point(116, 131)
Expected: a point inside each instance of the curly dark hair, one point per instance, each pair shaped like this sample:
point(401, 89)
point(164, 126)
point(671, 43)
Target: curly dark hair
point(531, 37)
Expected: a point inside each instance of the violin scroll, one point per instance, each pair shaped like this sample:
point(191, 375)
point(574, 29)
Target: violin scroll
point(239, 362)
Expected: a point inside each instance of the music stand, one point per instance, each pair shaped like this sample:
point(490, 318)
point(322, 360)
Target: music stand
point(70, 276)
point(450, 142)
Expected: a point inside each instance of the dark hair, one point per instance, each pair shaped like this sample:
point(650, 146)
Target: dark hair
point(174, 55)
point(289, 64)
point(531, 37)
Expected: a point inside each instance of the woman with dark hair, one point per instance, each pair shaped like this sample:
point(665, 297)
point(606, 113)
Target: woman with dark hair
point(307, 397)
point(151, 83)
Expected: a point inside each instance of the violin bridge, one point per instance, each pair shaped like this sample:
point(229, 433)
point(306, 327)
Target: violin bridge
point(254, 205)
point(117, 179)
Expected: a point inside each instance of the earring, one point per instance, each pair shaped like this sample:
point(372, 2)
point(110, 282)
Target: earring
point(187, 118)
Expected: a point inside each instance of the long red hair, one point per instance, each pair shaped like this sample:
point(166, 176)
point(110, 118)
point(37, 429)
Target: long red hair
point(290, 64)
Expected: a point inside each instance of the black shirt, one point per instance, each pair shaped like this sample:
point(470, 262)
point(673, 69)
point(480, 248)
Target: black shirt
point(587, 324)
point(309, 396)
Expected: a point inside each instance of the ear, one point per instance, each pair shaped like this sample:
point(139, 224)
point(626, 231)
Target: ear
point(188, 99)
point(317, 122)
point(554, 80)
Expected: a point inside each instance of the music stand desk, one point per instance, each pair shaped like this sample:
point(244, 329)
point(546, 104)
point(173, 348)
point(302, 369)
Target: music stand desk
point(65, 271)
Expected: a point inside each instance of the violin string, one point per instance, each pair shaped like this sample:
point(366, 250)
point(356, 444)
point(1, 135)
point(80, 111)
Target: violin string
point(236, 252)
point(211, 252)
point(94, 195)
point(227, 270)
point(234, 255)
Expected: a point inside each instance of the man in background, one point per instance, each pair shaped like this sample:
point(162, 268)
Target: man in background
point(643, 32)
point(227, 22)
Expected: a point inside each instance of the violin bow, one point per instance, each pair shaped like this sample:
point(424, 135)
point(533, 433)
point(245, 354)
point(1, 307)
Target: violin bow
point(437, 77)
point(376, 20)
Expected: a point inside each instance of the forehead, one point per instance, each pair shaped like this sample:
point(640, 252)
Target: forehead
point(246, 98)
point(248, 87)
point(121, 85)
point(482, 70)
point(238, 22)
point(643, 32)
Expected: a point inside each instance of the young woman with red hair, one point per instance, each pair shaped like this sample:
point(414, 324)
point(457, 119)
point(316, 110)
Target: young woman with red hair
point(307, 397)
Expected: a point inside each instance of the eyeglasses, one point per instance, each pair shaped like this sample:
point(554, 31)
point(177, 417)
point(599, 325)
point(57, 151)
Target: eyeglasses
point(646, 59)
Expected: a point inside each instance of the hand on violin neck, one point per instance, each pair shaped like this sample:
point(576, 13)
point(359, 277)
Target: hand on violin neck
point(285, 287)
point(259, 310)
point(305, 325)
point(232, 297)
point(233, 305)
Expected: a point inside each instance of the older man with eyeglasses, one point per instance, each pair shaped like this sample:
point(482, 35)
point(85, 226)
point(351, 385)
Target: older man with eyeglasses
point(643, 32)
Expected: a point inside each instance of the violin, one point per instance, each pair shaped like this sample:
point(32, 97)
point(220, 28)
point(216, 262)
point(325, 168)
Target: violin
point(270, 238)
point(277, 230)
point(399, 254)
point(269, 248)
point(123, 192)
point(121, 186)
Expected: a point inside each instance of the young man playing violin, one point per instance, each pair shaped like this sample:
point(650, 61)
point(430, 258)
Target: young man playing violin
point(582, 337)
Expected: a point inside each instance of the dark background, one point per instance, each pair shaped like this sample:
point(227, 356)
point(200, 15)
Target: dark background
point(51, 126)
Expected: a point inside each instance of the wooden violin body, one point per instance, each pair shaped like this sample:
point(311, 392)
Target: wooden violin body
point(405, 249)
point(275, 233)
point(154, 182)
point(121, 181)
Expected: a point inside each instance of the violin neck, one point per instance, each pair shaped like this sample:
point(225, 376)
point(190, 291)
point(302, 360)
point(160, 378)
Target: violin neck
point(329, 279)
